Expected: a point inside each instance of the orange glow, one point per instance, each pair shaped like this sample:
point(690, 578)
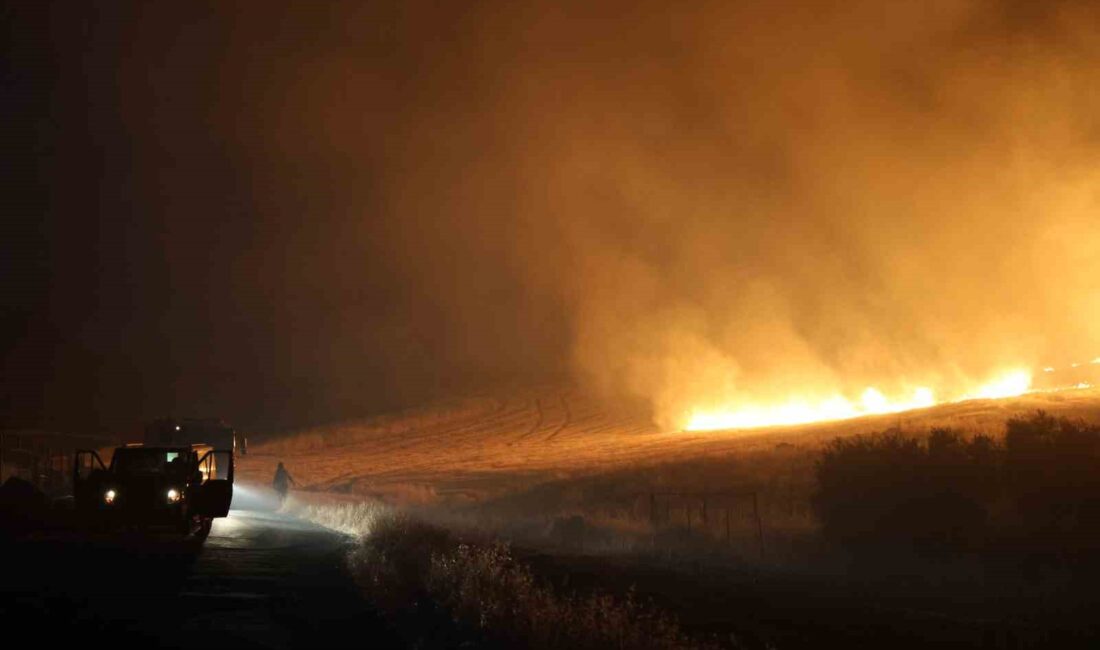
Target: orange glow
point(1009, 385)
point(871, 401)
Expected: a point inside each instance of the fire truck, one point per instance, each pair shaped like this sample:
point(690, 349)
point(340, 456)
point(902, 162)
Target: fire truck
point(180, 477)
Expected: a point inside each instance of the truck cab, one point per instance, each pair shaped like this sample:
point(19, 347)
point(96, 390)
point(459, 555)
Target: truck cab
point(183, 487)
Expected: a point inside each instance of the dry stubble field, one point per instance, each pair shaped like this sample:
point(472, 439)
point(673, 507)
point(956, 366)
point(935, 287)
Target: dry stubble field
point(556, 451)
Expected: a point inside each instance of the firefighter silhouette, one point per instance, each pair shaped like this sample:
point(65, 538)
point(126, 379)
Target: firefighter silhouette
point(282, 482)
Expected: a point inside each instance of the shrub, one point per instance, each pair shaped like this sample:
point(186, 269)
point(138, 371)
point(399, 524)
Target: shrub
point(403, 562)
point(893, 490)
point(393, 560)
point(934, 495)
point(486, 585)
point(1052, 470)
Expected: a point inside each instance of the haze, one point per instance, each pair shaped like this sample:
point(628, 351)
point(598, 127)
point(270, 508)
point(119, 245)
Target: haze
point(296, 214)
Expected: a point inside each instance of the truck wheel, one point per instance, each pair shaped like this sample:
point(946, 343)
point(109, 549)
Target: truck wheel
point(204, 527)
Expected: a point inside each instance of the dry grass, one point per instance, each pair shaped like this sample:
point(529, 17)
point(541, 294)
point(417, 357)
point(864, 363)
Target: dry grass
point(592, 487)
point(481, 449)
point(355, 519)
point(403, 561)
point(522, 466)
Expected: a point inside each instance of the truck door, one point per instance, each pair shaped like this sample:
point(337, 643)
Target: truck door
point(88, 475)
point(216, 491)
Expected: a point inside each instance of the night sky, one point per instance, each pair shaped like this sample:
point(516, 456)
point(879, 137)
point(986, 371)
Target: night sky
point(181, 237)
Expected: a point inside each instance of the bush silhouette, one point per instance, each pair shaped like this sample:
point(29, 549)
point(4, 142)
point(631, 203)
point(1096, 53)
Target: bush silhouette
point(1052, 472)
point(892, 490)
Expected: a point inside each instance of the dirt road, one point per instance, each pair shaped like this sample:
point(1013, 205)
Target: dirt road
point(261, 580)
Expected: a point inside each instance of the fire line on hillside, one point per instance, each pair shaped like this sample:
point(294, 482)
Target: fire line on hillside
point(871, 401)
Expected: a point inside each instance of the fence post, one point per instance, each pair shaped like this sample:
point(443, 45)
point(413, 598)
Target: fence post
point(729, 540)
point(759, 525)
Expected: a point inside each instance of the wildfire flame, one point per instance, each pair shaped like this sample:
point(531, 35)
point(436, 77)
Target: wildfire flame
point(838, 407)
point(1009, 385)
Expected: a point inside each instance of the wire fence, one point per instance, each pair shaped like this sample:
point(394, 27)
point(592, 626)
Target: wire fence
point(43, 458)
point(717, 515)
point(676, 522)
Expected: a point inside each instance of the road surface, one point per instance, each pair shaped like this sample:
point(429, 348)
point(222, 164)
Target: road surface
point(261, 580)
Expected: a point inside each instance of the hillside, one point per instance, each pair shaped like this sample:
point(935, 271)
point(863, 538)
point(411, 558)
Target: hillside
point(487, 448)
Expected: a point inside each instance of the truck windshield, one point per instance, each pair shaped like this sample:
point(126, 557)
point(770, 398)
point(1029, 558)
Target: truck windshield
point(149, 461)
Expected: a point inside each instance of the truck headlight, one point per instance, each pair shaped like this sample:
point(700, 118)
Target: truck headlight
point(109, 497)
point(173, 495)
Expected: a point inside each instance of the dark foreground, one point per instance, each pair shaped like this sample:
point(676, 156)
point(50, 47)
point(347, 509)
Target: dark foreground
point(865, 609)
point(261, 580)
point(265, 580)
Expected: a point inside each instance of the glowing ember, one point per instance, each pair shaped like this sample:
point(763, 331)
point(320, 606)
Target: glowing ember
point(871, 402)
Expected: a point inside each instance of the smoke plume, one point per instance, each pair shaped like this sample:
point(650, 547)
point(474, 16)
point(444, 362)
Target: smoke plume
point(351, 207)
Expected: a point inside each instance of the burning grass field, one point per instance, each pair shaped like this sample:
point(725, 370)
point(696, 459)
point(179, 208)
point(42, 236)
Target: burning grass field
point(486, 449)
point(551, 468)
point(596, 500)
